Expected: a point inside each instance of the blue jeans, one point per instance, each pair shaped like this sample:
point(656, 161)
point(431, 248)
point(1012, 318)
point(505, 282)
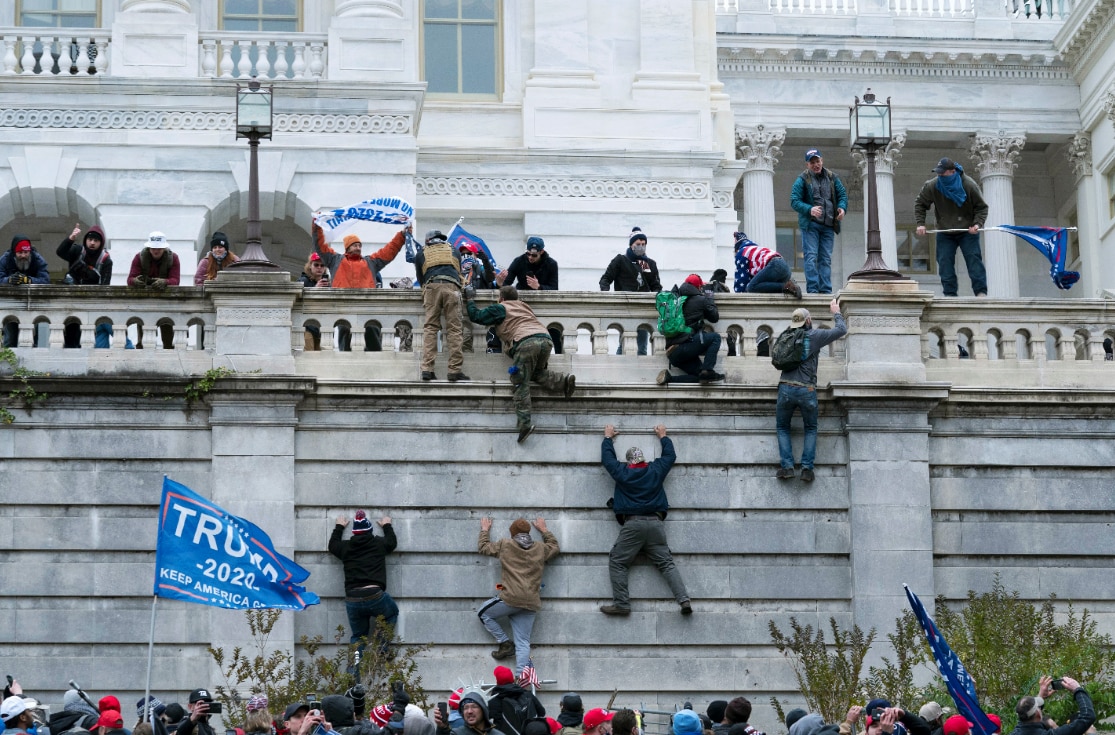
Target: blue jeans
point(362, 616)
point(771, 278)
point(688, 356)
point(791, 397)
point(642, 338)
point(947, 243)
point(816, 246)
point(522, 623)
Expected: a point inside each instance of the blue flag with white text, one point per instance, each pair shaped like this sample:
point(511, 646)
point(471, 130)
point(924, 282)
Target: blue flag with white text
point(388, 210)
point(1052, 242)
point(960, 685)
point(458, 236)
point(206, 555)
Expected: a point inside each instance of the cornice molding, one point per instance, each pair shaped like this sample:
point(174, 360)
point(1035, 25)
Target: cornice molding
point(1083, 34)
point(564, 188)
point(200, 120)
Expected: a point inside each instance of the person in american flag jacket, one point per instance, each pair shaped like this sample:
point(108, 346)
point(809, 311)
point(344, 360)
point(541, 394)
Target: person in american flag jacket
point(761, 270)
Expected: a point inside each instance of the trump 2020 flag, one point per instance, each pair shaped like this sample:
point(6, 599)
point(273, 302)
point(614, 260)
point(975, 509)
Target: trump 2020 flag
point(1052, 242)
point(209, 556)
point(959, 683)
point(458, 236)
point(389, 210)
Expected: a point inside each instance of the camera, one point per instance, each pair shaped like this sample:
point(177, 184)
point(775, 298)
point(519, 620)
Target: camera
point(215, 708)
point(877, 713)
point(1058, 684)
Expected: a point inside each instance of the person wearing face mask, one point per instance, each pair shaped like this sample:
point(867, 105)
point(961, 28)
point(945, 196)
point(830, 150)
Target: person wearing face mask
point(218, 258)
point(633, 271)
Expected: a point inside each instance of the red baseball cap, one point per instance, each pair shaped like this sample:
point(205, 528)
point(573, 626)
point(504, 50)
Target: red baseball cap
point(594, 717)
point(111, 719)
point(957, 725)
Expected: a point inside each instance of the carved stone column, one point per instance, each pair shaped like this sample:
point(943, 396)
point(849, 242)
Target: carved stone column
point(758, 149)
point(996, 157)
point(1092, 273)
point(885, 161)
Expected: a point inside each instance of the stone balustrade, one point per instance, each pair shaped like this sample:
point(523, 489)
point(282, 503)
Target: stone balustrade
point(962, 341)
point(54, 51)
point(266, 55)
point(933, 8)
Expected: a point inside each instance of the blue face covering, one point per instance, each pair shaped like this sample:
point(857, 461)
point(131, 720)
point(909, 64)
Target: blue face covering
point(953, 187)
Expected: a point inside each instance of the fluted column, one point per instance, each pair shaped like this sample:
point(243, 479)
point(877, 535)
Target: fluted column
point(758, 149)
point(996, 157)
point(885, 161)
point(1079, 154)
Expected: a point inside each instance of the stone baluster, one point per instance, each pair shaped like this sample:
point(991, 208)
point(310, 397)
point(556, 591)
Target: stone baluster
point(119, 336)
point(1037, 348)
point(977, 347)
point(298, 67)
point(568, 339)
point(226, 59)
point(100, 63)
point(317, 59)
point(1008, 347)
point(88, 335)
point(996, 158)
point(208, 58)
point(658, 343)
point(600, 342)
point(150, 337)
point(327, 342)
point(10, 60)
point(886, 159)
point(1092, 274)
point(629, 339)
point(1066, 346)
point(181, 337)
point(244, 66)
point(57, 335)
point(357, 337)
point(951, 346)
point(760, 149)
point(1095, 347)
point(281, 65)
point(28, 60)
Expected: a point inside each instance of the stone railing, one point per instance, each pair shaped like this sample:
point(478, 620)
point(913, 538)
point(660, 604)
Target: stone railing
point(842, 7)
point(933, 8)
point(961, 341)
point(54, 51)
point(1031, 10)
point(266, 55)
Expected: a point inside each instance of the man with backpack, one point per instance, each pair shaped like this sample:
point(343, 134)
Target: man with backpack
point(796, 353)
point(511, 707)
point(689, 348)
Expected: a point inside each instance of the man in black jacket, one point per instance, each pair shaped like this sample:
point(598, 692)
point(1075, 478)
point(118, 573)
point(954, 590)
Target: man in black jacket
point(364, 557)
point(694, 353)
point(198, 721)
point(534, 270)
point(633, 271)
point(1030, 716)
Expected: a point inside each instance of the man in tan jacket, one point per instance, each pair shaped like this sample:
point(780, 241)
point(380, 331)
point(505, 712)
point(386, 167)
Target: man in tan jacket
point(518, 599)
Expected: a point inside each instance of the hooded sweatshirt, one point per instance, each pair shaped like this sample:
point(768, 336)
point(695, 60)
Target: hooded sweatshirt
point(87, 267)
point(37, 269)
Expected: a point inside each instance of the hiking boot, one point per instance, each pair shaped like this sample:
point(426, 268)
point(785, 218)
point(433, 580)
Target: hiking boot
point(428, 375)
point(806, 474)
point(785, 473)
point(570, 385)
point(525, 432)
point(615, 610)
point(457, 377)
point(791, 289)
point(663, 378)
point(506, 650)
point(710, 376)
point(686, 608)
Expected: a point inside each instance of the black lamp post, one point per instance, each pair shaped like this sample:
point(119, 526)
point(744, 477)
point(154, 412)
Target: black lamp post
point(869, 124)
point(253, 121)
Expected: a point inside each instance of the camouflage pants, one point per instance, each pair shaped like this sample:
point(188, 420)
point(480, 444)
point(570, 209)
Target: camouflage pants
point(532, 357)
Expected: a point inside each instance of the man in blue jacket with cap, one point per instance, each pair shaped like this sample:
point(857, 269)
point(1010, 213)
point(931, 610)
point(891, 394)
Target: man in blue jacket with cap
point(640, 505)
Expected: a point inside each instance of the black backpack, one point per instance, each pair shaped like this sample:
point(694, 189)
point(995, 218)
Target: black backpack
point(791, 348)
point(515, 712)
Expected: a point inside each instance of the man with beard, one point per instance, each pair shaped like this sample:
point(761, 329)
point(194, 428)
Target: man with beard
point(21, 266)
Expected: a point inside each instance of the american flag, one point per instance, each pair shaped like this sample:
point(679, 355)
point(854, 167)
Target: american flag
point(529, 677)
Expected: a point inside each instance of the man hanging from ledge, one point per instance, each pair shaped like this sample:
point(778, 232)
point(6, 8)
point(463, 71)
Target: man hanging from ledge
point(21, 266)
point(525, 341)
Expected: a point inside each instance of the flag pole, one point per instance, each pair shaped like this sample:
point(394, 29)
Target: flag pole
point(989, 229)
point(150, 657)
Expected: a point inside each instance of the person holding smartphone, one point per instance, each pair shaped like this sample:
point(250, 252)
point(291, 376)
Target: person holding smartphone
point(201, 706)
point(1031, 718)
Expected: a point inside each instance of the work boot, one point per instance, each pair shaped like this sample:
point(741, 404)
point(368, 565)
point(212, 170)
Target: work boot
point(785, 473)
point(428, 375)
point(457, 377)
point(615, 610)
point(663, 377)
point(806, 474)
point(525, 431)
point(570, 385)
point(710, 376)
point(686, 608)
point(506, 650)
point(791, 289)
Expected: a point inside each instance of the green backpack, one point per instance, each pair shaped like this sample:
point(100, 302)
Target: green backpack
point(671, 319)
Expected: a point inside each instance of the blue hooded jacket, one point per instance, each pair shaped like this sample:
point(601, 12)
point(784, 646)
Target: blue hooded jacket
point(639, 490)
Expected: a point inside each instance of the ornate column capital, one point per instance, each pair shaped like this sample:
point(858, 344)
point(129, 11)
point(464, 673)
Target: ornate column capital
point(1109, 103)
point(1079, 154)
point(886, 158)
point(997, 154)
point(758, 147)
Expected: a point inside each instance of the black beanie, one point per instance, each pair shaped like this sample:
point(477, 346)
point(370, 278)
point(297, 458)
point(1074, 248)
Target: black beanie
point(219, 239)
point(716, 709)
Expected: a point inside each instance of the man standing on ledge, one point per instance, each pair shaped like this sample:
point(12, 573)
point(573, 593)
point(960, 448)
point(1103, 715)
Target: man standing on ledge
point(820, 200)
point(797, 390)
point(958, 205)
point(438, 267)
point(525, 341)
point(364, 557)
point(640, 505)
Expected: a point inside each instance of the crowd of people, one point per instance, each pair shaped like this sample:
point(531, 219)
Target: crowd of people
point(510, 707)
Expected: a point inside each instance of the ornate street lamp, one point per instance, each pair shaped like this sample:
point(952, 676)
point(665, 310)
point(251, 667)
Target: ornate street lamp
point(253, 121)
point(869, 124)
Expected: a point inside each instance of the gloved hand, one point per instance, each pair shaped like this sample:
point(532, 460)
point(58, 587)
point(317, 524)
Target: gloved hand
point(159, 284)
point(470, 293)
point(141, 282)
point(18, 279)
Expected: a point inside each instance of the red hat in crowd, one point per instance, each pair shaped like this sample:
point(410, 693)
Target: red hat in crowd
point(111, 719)
point(694, 280)
point(23, 246)
point(503, 675)
point(957, 725)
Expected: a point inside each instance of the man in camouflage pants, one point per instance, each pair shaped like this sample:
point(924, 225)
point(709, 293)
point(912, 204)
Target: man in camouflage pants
point(525, 341)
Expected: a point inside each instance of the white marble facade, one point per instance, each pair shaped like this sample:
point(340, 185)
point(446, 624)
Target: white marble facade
point(687, 119)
